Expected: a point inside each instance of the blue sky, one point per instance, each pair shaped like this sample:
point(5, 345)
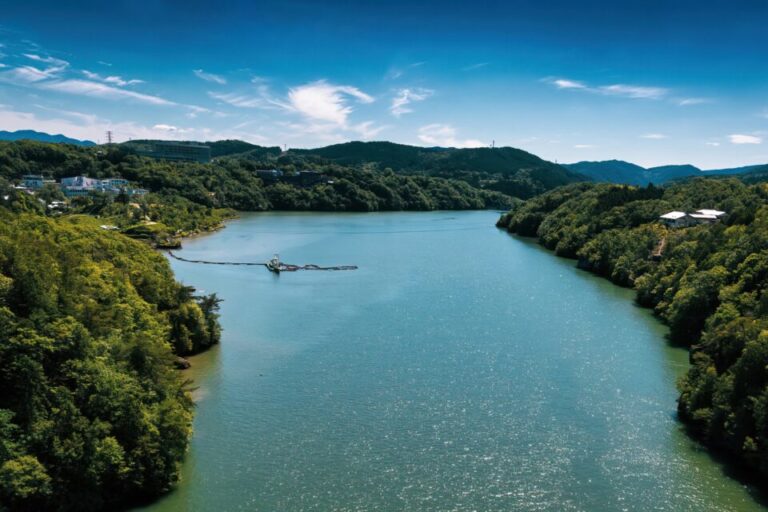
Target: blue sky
point(652, 82)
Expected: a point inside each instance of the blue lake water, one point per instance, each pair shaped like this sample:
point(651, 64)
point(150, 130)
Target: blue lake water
point(459, 368)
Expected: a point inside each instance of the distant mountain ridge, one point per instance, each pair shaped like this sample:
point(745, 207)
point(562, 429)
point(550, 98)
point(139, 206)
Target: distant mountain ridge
point(505, 169)
point(43, 137)
point(619, 171)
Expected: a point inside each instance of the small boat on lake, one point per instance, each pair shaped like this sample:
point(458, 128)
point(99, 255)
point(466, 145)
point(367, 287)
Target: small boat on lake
point(273, 265)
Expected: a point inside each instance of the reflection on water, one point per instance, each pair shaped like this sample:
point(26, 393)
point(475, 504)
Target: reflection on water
point(458, 369)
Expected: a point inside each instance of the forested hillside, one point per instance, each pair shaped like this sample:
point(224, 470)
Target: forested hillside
point(233, 183)
point(508, 170)
point(710, 285)
point(92, 412)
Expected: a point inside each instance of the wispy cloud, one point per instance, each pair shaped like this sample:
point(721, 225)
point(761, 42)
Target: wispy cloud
point(444, 135)
point(653, 136)
point(210, 77)
point(475, 66)
point(80, 116)
point(367, 130)
point(583, 146)
point(116, 80)
point(52, 61)
point(634, 91)
point(104, 91)
point(27, 74)
point(713, 144)
point(325, 109)
point(685, 102)
point(323, 101)
point(170, 128)
point(76, 124)
point(396, 72)
point(239, 100)
point(619, 90)
point(739, 138)
point(404, 97)
point(563, 83)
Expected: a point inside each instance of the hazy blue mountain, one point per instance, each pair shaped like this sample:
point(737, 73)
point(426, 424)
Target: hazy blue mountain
point(664, 173)
point(615, 171)
point(43, 137)
point(618, 171)
point(736, 170)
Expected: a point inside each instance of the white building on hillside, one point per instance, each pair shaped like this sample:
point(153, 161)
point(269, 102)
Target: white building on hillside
point(681, 219)
point(675, 219)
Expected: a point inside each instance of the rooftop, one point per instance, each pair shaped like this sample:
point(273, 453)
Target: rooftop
point(674, 215)
point(716, 213)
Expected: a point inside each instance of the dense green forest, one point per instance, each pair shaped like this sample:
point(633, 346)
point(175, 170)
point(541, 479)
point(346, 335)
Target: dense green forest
point(92, 412)
point(710, 285)
point(231, 183)
point(509, 170)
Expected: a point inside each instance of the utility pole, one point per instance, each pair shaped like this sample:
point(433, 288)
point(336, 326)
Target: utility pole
point(109, 136)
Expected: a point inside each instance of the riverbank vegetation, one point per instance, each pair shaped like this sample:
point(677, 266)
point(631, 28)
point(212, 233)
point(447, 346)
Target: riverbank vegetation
point(709, 284)
point(92, 412)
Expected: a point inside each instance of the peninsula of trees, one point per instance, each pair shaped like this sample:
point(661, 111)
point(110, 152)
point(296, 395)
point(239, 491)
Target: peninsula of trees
point(709, 283)
point(92, 412)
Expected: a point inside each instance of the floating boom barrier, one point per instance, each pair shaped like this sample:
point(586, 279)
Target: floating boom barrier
point(284, 267)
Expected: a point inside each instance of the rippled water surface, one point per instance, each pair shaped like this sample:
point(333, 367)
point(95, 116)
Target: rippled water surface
point(459, 368)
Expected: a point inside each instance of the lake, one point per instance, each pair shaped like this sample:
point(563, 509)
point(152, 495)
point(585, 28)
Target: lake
point(459, 368)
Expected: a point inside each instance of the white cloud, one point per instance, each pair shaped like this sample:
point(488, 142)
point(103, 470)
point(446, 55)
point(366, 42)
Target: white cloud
point(738, 138)
point(85, 126)
point(210, 77)
point(322, 101)
point(622, 90)
point(406, 96)
point(324, 109)
point(80, 116)
point(3, 65)
point(116, 80)
point(633, 91)
point(26, 75)
point(444, 135)
point(53, 61)
point(685, 102)
point(475, 66)
point(653, 136)
point(367, 130)
point(583, 146)
point(239, 100)
point(194, 110)
point(100, 90)
point(713, 144)
point(562, 83)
